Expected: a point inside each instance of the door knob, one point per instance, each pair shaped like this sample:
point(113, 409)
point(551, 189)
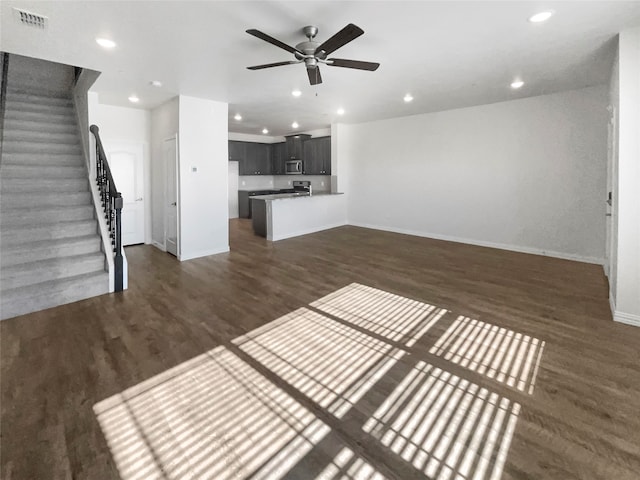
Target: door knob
point(174, 204)
point(139, 199)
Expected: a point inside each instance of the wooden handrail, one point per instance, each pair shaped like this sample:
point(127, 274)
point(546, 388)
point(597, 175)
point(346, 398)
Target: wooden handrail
point(111, 205)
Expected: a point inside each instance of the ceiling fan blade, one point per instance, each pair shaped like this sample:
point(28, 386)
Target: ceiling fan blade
point(344, 36)
point(272, 41)
point(342, 62)
point(314, 75)
point(269, 65)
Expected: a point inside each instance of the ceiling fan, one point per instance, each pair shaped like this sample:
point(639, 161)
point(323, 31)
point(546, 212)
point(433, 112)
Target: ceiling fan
point(313, 53)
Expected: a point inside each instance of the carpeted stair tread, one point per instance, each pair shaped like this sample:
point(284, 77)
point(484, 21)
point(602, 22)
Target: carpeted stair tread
point(28, 233)
point(14, 276)
point(51, 293)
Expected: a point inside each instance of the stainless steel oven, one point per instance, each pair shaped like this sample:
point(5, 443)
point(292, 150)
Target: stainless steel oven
point(293, 167)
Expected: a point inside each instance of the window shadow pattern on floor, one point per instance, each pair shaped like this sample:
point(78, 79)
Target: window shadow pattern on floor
point(271, 403)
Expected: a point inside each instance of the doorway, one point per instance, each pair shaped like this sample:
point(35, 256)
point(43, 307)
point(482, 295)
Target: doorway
point(172, 195)
point(127, 167)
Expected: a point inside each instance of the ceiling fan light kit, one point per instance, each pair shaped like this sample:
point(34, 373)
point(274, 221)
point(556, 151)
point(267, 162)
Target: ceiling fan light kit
point(313, 53)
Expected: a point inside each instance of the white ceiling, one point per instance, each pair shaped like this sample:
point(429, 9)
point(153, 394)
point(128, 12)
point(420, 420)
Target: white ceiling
point(447, 54)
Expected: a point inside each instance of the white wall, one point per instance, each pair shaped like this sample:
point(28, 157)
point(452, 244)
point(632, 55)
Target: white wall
point(164, 124)
point(626, 302)
point(526, 175)
point(126, 125)
point(204, 215)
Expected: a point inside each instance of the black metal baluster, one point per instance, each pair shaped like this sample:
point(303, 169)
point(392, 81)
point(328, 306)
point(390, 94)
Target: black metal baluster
point(111, 206)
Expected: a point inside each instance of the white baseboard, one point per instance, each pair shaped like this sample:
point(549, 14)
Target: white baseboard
point(627, 318)
point(479, 243)
point(203, 253)
point(307, 231)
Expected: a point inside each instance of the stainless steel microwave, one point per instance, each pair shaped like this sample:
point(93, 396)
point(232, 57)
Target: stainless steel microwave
point(293, 167)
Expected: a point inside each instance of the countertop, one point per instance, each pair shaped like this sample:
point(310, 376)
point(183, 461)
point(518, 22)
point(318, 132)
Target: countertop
point(282, 196)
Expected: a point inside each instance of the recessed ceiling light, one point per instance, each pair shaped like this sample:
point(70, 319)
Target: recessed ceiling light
point(541, 17)
point(134, 99)
point(517, 84)
point(265, 131)
point(296, 93)
point(155, 83)
point(340, 111)
point(407, 98)
point(105, 43)
point(238, 117)
point(294, 125)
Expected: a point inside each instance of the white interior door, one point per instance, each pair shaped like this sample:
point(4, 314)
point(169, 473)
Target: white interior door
point(612, 188)
point(171, 198)
point(233, 189)
point(126, 163)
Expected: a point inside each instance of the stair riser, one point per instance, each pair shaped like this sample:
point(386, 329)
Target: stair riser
point(38, 99)
point(48, 127)
point(40, 185)
point(45, 159)
point(17, 218)
point(28, 136)
point(49, 232)
point(41, 147)
point(13, 257)
point(64, 268)
point(13, 105)
point(67, 119)
point(73, 291)
point(42, 171)
point(45, 200)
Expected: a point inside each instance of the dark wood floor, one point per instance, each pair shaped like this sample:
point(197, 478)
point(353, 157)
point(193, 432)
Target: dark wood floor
point(343, 385)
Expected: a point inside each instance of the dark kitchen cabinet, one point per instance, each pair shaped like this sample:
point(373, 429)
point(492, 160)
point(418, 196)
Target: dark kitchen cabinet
point(237, 151)
point(317, 156)
point(295, 146)
point(278, 157)
point(253, 158)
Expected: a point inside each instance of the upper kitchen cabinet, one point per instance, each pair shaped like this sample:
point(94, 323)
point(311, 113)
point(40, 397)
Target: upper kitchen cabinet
point(317, 156)
point(278, 157)
point(258, 159)
point(295, 146)
point(237, 151)
point(253, 158)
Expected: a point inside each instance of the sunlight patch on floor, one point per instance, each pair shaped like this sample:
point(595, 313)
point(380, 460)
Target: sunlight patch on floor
point(348, 466)
point(446, 426)
point(331, 363)
point(498, 353)
point(211, 417)
point(391, 316)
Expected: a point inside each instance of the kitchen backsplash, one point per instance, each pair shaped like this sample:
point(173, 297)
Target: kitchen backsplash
point(319, 183)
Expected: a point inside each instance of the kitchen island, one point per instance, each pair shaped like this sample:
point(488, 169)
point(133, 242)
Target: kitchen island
point(281, 216)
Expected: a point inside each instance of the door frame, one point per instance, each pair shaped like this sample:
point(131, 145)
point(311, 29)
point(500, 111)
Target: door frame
point(178, 199)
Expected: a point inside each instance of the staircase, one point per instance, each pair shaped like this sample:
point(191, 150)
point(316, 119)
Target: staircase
point(50, 248)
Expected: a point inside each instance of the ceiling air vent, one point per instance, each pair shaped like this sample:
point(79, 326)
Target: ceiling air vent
point(30, 19)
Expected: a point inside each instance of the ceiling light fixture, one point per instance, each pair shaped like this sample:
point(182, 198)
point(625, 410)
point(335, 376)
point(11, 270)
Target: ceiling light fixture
point(517, 84)
point(340, 111)
point(407, 98)
point(541, 17)
point(134, 99)
point(265, 131)
point(105, 43)
point(295, 125)
point(296, 93)
point(238, 117)
point(155, 83)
